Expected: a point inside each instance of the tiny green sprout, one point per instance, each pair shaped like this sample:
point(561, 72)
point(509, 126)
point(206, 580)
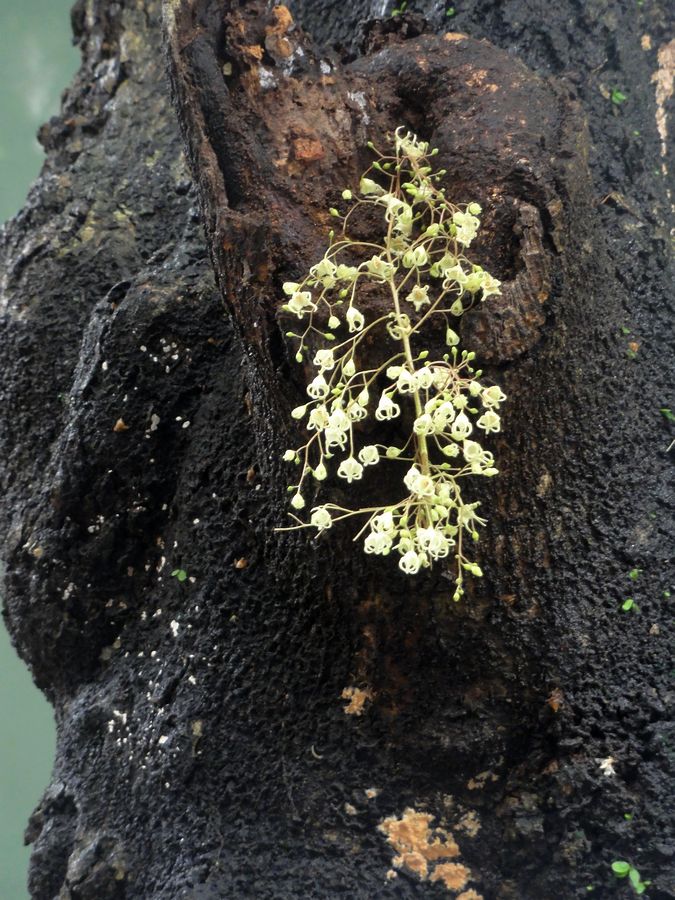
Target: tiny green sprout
point(629, 604)
point(621, 869)
point(179, 574)
point(399, 9)
point(347, 195)
point(666, 595)
point(617, 97)
point(450, 12)
point(667, 414)
point(631, 354)
point(625, 330)
point(634, 574)
point(628, 816)
point(636, 133)
point(590, 887)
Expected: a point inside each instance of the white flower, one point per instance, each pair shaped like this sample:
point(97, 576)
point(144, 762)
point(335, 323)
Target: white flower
point(346, 273)
point(335, 438)
point(457, 309)
point(489, 421)
point(409, 563)
point(378, 267)
point(451, 450)
point(318, 388)
point(454, 274)
point(444, 414)
point(383, 522)
point(424, 377)
point(290, 287)
point(300, 303)
point(333, 322)
point(355, 319)
point(460, 401)
point(350, 469)
point(297, 501)
point(339, 419)
point(325, 359)
point(290, 455)
point(369, 455)
point(424, 424)
point(348, 369)
point(318, 418)
point(405, 383)
point(320, 473)
point(490, 285)
point(415, 258)
point(451, 337)
point(473, 282)
point(324, 272)
point(367, 187)
point(493, 396)
point(378, 542)
point(398, 325)
point(418, 484)
point(433, 542)
point(356, 412)
point(419, 296)
point(321, 518)
point(467, 227)
point(472, 451)
point(475, 388)
point(298, 412)
point(461, 427)
point(409, 145)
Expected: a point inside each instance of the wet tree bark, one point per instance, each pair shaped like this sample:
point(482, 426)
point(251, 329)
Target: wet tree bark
point(294, 719)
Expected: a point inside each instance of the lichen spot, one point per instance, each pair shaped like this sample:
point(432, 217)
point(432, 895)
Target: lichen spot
point(358, 697)
point(453, 875)
point(417, 844)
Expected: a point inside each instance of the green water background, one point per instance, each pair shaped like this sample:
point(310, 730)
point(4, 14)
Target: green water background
point(37, 60)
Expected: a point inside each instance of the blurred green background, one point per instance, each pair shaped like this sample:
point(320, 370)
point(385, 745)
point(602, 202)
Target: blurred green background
point(37, 60)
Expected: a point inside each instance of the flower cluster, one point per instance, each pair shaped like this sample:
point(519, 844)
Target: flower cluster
point(421, 268)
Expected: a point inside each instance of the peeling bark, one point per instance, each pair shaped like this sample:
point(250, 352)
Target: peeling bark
point(293, 718)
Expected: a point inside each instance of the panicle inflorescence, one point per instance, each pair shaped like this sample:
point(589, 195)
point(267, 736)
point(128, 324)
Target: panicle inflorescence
point(420, 268)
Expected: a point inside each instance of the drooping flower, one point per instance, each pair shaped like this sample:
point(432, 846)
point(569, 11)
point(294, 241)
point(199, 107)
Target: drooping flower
point(355, 319)
point(350, 469)
point(369, 455)
point(321, 518)
point(461, 427)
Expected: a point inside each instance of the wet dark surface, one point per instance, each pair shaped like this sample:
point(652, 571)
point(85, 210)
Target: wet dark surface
point(203, 749)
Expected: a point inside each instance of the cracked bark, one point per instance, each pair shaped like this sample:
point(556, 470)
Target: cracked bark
point(203, 746)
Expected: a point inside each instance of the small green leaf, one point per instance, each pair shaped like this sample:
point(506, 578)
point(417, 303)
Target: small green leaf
point(666, 595)
point(621, 868)
point(634, 877)
point(633, 574)
point(179, 574)
point(667, 414)
point(628, 816)
point(618, 97)
point(450, 12)
point(625, 330)
point(628, 604)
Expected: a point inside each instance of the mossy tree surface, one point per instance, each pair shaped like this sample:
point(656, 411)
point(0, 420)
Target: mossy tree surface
point(289, 717)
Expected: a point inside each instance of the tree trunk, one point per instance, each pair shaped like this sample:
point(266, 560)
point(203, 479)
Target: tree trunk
point(293, 718)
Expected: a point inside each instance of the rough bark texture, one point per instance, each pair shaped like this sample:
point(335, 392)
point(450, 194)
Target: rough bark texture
point(204, 746)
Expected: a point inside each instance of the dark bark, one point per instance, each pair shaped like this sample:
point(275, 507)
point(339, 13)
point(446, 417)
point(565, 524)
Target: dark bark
point(203, 748)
